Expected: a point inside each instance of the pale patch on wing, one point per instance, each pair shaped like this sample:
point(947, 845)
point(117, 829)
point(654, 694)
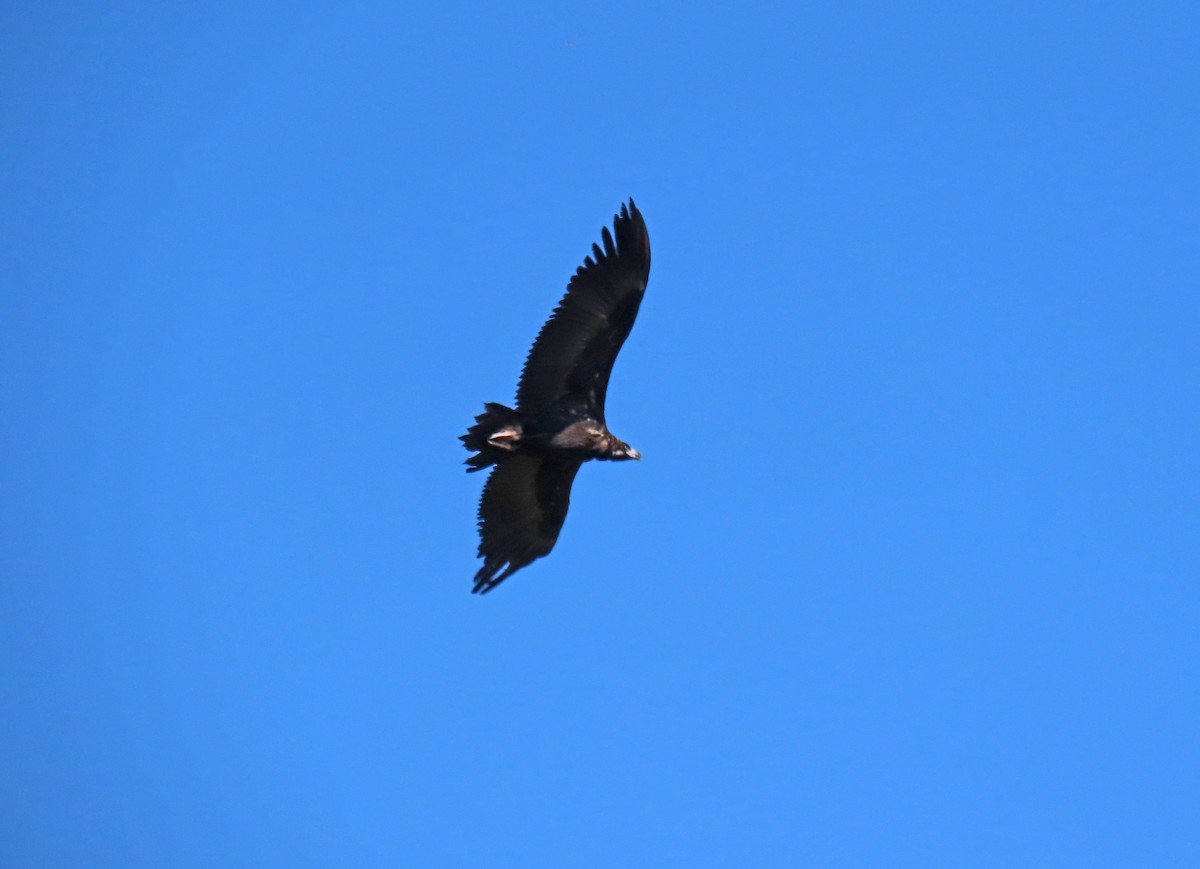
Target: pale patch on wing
point(506, 438)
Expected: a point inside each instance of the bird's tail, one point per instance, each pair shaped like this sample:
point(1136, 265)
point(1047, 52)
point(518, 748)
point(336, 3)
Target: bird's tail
point(495, 434)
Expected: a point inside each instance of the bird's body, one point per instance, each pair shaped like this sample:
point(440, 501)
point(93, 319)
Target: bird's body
point(538, 447)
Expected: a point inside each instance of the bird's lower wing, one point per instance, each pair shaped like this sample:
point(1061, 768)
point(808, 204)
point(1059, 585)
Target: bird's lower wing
point(521, 512)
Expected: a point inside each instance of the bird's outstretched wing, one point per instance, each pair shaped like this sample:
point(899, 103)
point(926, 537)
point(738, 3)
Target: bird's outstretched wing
point(521, 512)
point(575, 350)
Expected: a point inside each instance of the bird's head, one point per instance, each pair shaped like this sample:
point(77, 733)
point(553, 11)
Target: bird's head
point(619, 451)
point(599, 443)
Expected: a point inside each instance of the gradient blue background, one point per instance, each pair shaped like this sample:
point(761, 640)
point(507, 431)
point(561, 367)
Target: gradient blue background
point(908, 574)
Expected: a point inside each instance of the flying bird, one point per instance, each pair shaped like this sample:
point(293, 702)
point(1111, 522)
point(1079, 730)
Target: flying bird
point(536, 449)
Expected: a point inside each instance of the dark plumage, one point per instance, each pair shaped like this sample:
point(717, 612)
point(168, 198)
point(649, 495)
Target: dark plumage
point(558, 423)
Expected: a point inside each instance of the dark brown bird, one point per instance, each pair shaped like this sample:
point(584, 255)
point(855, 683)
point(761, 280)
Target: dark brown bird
point(558, 423)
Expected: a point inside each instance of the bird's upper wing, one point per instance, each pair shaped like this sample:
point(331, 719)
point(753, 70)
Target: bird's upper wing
point(574, 353)
point(521, 512)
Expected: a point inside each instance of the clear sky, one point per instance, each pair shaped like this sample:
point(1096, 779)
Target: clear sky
point(908, 574)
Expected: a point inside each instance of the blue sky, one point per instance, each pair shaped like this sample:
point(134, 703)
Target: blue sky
point(907, 575)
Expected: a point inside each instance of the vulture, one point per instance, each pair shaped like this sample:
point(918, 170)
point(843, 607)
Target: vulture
point(536, 449)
